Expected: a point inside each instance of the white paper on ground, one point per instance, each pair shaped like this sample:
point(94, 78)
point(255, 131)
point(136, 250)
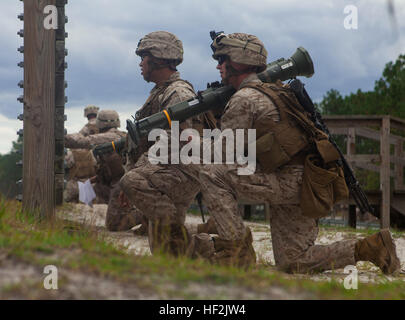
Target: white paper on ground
point(86, 192)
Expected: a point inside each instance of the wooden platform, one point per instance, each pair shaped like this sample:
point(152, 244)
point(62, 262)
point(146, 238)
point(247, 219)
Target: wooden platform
point(397, 207)
point(388, 131)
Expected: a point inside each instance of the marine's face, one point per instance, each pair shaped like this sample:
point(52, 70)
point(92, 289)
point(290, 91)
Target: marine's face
point(145, 72)
point(222, 62)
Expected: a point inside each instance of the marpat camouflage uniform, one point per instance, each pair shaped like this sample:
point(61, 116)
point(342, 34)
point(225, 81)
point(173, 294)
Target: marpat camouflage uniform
point(293, 235)
point(77, 140)
point(162, 192)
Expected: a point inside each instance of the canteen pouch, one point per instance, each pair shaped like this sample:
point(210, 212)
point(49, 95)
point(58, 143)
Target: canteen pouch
point(321, 188)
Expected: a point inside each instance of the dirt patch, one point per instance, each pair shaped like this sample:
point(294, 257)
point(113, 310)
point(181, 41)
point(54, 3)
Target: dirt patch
point(261, 241)
point(20, 280)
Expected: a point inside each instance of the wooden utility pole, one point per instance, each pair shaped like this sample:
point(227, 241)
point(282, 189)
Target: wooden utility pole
point(43, 111)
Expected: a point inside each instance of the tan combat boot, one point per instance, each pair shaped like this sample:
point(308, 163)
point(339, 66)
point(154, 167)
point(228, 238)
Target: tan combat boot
point(168, 238)
point(201, 247)
point(380, 250)
point(236, 253)
point(208, 227)
point(179, 239)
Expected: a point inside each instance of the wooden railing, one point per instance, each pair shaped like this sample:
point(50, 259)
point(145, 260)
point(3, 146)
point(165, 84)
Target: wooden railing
point(376, 128)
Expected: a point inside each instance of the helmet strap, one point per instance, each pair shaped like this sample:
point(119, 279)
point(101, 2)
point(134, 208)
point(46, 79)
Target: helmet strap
point(154, 65)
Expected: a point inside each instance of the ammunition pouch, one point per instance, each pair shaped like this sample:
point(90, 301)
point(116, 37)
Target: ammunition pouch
point(326, 150)
point(271, 153)
point(322, 187)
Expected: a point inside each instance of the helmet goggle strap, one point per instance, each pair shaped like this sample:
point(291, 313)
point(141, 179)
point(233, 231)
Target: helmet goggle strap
point(216, 43)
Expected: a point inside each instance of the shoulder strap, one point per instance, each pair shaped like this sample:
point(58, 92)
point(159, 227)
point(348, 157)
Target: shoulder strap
point(285, 100)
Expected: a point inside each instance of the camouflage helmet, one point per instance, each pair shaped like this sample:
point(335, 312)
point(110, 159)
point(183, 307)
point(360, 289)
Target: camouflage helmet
point(108, 119)
point(161, 45)
point(241, 48)
point(91, 110)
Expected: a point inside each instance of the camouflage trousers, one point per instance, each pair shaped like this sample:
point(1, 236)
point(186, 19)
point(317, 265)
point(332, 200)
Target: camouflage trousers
point(162, 192)
point(122, 216)
point(71, 192)
point(293, 234)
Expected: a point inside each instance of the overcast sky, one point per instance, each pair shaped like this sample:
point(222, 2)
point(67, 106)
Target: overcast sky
point(103, 34)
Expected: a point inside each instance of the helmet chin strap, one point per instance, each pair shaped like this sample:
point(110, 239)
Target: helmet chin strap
point(231, 71)
point(153, 65)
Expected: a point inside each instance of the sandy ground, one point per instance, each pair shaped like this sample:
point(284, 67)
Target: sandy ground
point(21, 280)
point(367, 272)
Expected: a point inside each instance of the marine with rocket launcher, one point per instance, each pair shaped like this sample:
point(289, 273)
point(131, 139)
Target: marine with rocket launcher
point(214, 97)
point(217, 95)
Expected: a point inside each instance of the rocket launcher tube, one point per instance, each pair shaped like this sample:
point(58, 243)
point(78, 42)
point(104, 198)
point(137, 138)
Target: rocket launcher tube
point(216, 96)
point(210, 99)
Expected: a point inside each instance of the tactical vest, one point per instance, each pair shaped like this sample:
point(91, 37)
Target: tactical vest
point(150, 107)
point(296, 140)
point(285, 141)
point(84, 166)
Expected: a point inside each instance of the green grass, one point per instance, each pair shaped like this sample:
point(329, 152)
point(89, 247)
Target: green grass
point(84, 249)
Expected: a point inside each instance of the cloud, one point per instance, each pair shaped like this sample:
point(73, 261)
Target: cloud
point(8, 133)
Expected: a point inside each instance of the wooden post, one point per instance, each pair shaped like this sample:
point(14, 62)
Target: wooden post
point(399, 168)
point(60, 100)
point(351, 151)
point(385, 173)
point(352, 216)
point(351, 142)
point(247, 212)
point(39, 111)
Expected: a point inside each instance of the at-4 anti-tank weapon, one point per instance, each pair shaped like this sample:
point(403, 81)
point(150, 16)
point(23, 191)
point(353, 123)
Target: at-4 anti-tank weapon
point(214, 97)
point(217, 95)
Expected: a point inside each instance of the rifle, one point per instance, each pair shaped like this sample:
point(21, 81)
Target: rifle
point(353, 184)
